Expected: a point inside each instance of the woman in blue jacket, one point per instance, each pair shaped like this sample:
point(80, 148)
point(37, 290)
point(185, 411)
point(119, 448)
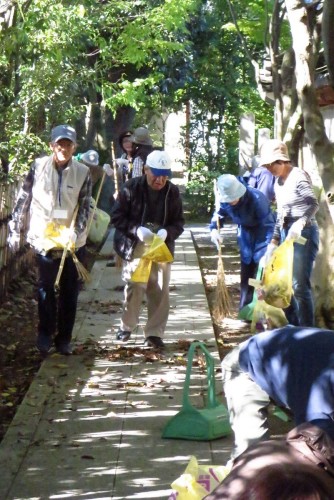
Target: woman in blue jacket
point(250, 210)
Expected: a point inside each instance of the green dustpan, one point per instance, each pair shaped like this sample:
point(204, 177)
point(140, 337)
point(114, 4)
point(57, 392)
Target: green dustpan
point(246, 312)
point(200, 424)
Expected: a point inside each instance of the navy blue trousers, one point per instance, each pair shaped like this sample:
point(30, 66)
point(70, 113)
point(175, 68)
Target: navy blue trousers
point(57, 311)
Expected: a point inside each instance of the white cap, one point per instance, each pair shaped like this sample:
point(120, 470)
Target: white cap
point(230, 189)
point(90, 158)
point(160, 163)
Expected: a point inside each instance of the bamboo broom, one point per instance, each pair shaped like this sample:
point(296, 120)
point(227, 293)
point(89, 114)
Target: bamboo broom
point(82, 271)
point(222, 305)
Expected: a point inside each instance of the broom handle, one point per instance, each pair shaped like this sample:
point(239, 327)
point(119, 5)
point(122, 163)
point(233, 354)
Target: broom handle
point(66, 248)
point(220, 247)
point(114, 164)
point(217, 206)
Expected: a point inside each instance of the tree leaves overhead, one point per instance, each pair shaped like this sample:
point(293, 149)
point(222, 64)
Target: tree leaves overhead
point(121, 53)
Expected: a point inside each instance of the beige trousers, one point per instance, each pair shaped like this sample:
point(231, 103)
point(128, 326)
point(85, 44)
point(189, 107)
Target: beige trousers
point(156, 291)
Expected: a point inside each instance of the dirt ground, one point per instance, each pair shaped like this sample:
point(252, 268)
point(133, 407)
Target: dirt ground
point(20, 361)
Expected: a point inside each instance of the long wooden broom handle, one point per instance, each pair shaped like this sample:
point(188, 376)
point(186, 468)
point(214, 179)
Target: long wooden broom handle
point(114, 164)
point(66, 248)
point(218, 228)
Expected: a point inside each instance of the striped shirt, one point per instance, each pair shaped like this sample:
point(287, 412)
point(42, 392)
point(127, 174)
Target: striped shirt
point(295, 200)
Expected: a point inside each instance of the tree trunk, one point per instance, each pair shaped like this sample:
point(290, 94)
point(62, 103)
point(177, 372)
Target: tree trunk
point(323, 151)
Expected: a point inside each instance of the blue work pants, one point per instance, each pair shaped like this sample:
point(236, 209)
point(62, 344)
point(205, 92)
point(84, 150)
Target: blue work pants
point(57, 310)
point(301, 310)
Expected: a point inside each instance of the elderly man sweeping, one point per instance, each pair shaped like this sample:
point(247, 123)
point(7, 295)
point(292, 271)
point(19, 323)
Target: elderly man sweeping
point(56, 194)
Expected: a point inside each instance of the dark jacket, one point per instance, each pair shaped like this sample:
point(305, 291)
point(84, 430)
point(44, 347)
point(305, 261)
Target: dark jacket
point(261, 179)
point(129, 213)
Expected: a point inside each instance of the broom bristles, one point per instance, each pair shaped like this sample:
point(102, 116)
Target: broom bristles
point(84, 275)
point(222, 307)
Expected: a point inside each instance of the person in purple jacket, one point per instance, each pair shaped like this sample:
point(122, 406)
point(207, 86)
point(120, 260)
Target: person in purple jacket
point(261, 179)
point(294, 367)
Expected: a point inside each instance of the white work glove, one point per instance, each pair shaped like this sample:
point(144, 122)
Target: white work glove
point(162, 233)
point(216, 238)
point(122, 162)
point(145, 235)
point(14, 237)
point(108, 170)
point(295, 230)
point(267, 256)
point(13, 240)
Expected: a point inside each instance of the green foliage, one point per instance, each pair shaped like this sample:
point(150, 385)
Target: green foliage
point(222, 88)
point(153, 55)
point(56, 63)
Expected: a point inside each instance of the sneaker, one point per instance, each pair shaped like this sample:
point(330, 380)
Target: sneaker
point(155, 342)
point(44, 343)
point(123, 335)
point(66, 349)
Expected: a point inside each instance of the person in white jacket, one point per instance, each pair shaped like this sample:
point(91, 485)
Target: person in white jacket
point(56, 191)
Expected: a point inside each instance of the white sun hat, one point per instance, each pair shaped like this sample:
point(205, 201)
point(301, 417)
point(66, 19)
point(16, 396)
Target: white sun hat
point(230, 189)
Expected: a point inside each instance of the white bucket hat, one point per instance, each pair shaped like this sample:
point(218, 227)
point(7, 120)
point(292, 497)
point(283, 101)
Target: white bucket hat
point(160, 163)
point(90, 158)
point(229, 188)
point(273, 150)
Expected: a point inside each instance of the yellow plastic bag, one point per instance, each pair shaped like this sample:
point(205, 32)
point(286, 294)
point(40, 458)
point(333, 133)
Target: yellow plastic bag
point(197, 481)
point(157, 252)
point(273, 317)
point(56, 236)
point(277, 278)
point(142, 271)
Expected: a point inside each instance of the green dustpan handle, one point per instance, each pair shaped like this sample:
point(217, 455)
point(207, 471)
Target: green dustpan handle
point(247, 311)
point(212, 401)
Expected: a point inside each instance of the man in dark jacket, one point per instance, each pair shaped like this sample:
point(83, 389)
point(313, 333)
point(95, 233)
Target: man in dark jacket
point(145, 206)
point(293, 366)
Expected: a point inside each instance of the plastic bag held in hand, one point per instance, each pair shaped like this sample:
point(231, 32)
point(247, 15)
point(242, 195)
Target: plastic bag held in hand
point(108, 170)
point(162, 233)
point(122, 162)
point(13, 240)
point(144, 234)
point(295, 230)
point(216, 238)
point(270, 250)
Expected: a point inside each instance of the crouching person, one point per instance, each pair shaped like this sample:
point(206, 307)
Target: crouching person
point(293, 367)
